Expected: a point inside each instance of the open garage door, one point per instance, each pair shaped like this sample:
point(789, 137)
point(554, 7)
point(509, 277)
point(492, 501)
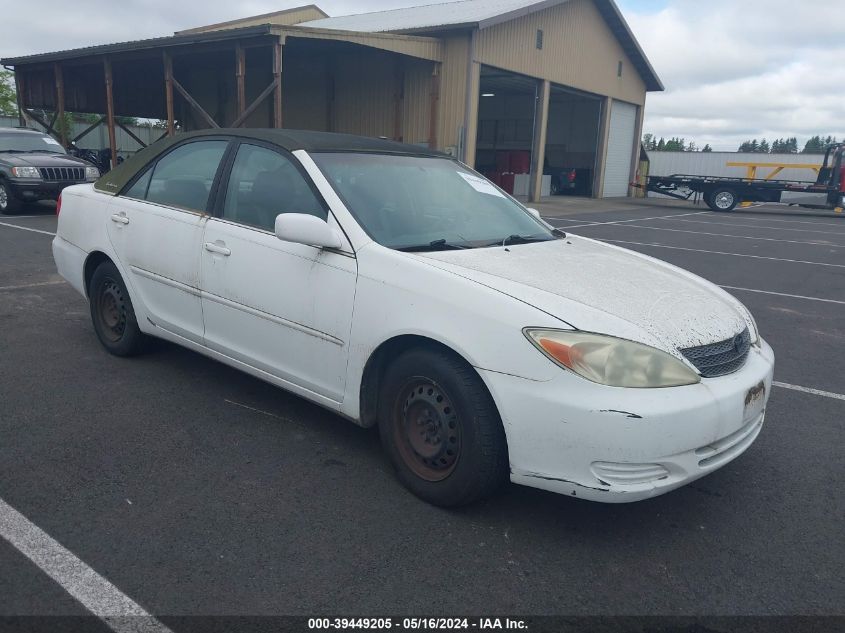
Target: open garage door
point(572, 141)
point(620, 149)
point(506, 129)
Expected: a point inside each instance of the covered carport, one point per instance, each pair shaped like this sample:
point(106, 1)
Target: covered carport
point(261, 76)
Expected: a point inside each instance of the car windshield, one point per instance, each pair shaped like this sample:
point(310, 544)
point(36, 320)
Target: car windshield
point(422, 203)
point(26, 142)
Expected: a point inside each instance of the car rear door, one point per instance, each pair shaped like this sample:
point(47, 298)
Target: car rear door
point(282, 308)
point(156, 229)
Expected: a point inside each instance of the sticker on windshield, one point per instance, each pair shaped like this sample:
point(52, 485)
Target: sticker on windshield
point(481, 185)
point(51, 141)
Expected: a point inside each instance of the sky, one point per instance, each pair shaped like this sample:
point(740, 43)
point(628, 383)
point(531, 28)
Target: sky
point(733, 69)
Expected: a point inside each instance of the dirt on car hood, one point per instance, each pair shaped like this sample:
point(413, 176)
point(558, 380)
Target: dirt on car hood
point(602, 288)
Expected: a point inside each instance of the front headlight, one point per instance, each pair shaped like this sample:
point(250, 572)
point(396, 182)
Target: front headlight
point(91, 174)
point(612, 361)
point(26, 172)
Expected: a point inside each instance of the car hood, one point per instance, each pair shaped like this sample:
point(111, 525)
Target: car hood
point(43, 160)
point(601, 288)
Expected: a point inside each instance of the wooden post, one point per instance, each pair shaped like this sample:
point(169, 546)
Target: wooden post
point(277, 77)
point(60, 103)
point(19, 87)
point(110, 111)
point(538, 154)
point(240, 75)
point(168, 92)
point(435, 105)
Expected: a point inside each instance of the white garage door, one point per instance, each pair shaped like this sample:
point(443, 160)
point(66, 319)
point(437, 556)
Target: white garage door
point(620, 149)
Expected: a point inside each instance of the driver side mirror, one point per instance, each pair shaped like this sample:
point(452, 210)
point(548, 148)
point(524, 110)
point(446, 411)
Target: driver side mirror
point(301, 228)
point(533, 212)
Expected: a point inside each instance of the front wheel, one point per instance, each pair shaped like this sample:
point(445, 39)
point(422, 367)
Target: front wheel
point(722, 200)
point(112, 313)
point(441, 429)
point(8, 202)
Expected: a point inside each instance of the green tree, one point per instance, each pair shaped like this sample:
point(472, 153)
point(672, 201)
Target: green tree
point(764, 147)
point(8, 94)
point(707, 148)
point(814, 145)
point(661, 145)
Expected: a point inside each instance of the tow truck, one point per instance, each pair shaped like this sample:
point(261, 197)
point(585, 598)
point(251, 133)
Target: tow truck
point(724, 194)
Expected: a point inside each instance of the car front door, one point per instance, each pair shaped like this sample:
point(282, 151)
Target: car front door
point(282, 308)
point(156, 229)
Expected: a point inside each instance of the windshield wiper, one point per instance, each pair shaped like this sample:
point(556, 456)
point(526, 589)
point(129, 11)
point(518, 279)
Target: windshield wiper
point(436, 245)
point(519, 239)
point(41, 151)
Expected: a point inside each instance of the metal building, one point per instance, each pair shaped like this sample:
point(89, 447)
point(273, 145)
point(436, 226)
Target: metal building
point(515, 88)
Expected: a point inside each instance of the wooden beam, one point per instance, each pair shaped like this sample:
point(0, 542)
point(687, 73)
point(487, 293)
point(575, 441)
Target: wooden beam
point(49, 127)
point(246, 113)
point(168, 91)
point(435, 105)
point(240, 75)
point(277, 79)
point(89, 129)
point(194, 104)
point(60, 103)
point(131, 134)
point(19, 87)
point(110, 111)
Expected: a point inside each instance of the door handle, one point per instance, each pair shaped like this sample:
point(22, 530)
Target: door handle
point(119, 218)
point(217, 249)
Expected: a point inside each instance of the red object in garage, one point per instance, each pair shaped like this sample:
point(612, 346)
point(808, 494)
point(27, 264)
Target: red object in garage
point(520, 162)
point(503, 162)
point(506, 182)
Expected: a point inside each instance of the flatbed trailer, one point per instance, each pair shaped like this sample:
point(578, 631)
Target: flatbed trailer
point(724, 194)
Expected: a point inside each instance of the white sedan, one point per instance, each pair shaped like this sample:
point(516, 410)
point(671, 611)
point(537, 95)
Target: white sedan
point(398, 288)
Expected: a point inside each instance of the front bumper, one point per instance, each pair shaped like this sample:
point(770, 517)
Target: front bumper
point(36, 189)
point(617, 445)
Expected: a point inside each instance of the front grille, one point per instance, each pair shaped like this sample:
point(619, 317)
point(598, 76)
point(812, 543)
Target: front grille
point(62, 173)
point(719, 359)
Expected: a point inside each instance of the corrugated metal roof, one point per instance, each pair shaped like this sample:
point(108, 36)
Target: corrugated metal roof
point(464, 12)
point(483, 14)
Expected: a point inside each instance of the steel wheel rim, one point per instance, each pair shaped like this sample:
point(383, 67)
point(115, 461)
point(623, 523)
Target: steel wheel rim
point(111, 310)
point(427, 430)
point(724, 200)
point(4, 197)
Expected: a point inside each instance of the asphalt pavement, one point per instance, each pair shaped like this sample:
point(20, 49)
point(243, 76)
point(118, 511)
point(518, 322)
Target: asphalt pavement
point(197, 490)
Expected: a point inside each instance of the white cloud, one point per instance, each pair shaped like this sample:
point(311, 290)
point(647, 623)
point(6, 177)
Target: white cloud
point(740, 70)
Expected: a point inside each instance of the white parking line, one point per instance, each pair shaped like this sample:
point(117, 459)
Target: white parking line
point(751, 216)
point(739, 237)
point(777, 294)
point(36, 285)
point(815, 392)
point(657, 217)
point(94, 592)
point(757, 226)
point(699, 250)
point(25, 228)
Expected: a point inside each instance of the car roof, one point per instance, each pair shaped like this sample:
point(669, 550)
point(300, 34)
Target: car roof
point(290, 140)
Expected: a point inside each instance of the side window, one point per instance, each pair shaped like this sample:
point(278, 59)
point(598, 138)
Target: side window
point(264, 184)
point(138, 191)
point(183, 178)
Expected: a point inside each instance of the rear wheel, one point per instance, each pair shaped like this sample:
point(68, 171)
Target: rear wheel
point(112, 313)
point(8, 202)
point(722, 200)
point(441, 429)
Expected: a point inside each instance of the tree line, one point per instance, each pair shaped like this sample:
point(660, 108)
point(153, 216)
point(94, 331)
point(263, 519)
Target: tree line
point(814, 145)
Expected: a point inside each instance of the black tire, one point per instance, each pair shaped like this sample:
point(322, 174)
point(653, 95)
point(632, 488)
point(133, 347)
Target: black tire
point(8, 202)
point(441, 429)
point(112, 313)
point(555, 188)
point(722, 200)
